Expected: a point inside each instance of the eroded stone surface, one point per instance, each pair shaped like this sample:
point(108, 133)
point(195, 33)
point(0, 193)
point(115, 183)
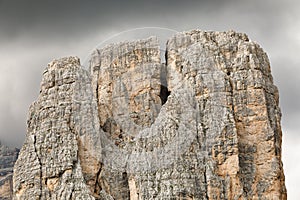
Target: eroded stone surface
point(8, 157)
point(205, 125)
point(240, 120)
point(48, 166)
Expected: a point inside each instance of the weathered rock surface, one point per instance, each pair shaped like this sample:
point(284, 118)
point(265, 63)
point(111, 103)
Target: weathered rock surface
point(48, 166)
point(205, 125)
point(8, 157)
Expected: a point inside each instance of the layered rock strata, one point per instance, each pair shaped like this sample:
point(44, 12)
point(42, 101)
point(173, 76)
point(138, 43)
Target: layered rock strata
point(204, 125)
point(8, 157)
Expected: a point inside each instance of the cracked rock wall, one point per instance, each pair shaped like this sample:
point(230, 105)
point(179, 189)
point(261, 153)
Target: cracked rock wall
point(48, 166)
point(8, 157)
point(238, 112)
point(203, 125)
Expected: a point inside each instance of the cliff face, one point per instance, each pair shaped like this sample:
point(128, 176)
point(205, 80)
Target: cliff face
point(8, 158)
point(205, 125)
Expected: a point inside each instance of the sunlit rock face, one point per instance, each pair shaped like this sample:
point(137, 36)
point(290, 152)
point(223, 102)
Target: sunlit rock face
point(203, 125)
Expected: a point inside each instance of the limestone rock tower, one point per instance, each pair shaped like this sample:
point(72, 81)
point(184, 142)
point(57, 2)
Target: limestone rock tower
point(203, 125)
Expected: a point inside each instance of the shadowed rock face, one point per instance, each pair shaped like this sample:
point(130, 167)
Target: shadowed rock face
point(204, 125)
point(8, 157)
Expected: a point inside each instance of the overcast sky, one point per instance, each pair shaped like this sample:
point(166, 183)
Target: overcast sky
point(32, 33)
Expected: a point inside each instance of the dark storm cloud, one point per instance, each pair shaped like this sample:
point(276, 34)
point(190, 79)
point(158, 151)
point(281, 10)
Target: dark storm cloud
point(66, 16)
point(49, 29)
point(52, 19)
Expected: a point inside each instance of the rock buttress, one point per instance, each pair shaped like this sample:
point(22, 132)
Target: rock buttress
point(48, 166)
point(238, 119)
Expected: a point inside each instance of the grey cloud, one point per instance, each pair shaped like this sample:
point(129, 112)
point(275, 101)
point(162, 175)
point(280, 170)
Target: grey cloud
point(56, 19)
point(52, 29)
point(29, 25)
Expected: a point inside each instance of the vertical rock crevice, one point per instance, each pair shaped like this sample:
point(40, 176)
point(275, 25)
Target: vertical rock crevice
point(164, 91)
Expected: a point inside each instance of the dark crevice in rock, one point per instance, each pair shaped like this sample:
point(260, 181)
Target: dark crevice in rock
point(164, 92)
point(108, 125)
point(97, 187)
point(166, 57)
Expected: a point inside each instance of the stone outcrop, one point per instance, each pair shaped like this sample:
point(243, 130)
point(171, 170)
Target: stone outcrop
point(8, 157)
point(203, 125)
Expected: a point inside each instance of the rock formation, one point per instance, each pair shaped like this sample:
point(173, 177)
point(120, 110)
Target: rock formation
point(203, 125)
point(8, 157)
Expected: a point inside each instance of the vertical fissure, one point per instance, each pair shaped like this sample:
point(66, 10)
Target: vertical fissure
point(164, 91)
point(40, 165)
